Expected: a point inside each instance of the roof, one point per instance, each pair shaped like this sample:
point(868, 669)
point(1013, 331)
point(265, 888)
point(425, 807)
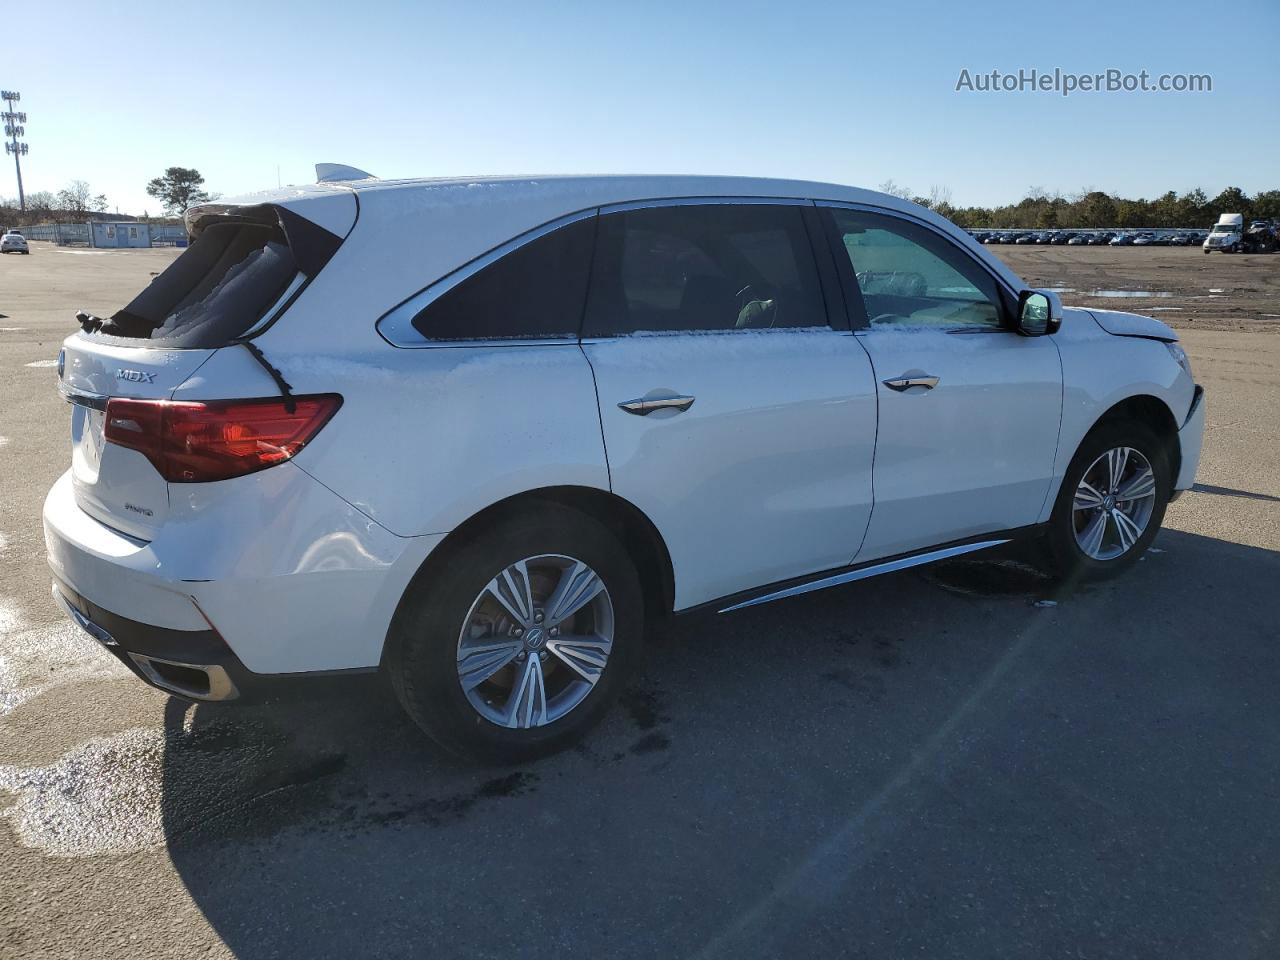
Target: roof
point(407, 233)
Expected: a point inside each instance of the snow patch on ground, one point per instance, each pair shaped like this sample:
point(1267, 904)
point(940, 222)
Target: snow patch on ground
point(43, 363)
point(100, 798)
point(34, 659)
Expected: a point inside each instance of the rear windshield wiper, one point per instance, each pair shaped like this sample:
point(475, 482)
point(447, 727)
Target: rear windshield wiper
point(289, 405)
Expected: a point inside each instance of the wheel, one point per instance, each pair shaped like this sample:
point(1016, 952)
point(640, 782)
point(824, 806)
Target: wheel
point(1111, 504)
point(519, 644)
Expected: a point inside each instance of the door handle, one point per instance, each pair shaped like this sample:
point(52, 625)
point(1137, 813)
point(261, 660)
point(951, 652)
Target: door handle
point(644, 406)
point(906, 383)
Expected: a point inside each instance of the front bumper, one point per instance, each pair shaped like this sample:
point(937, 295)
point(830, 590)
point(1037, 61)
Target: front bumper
point(1190, 440)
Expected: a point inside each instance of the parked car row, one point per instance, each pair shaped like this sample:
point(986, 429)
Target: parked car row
point(1090, 238)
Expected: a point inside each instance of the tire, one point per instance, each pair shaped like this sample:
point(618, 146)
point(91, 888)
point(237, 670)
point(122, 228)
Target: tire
point(1069, 560)
point(425, 639)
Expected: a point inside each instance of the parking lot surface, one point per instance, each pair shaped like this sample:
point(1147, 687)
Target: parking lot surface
point(932, 763)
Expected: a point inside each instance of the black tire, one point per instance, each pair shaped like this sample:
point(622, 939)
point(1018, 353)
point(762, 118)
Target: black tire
point(423, 641)
point(1069, 563)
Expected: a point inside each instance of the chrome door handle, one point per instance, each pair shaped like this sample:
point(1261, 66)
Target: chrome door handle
point(906, 383)
point(643, 407)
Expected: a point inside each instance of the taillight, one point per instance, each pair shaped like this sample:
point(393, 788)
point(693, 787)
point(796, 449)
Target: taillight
point(217, 439)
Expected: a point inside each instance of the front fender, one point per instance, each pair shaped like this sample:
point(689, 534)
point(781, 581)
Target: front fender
point(1100, 371)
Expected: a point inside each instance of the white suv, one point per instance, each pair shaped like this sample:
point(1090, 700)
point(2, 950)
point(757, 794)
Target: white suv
point(478, 433)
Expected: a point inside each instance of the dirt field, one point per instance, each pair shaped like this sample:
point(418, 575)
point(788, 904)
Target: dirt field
point(1180, 285)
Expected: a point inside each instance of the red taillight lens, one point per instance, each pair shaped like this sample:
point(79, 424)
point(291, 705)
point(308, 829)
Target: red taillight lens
point(216, 440)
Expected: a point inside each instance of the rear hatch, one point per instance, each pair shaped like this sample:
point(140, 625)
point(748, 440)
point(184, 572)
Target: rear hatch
point(244, 267)
point(114, 484)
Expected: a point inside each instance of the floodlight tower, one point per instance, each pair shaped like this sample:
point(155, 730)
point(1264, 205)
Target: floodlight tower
point(13, 129)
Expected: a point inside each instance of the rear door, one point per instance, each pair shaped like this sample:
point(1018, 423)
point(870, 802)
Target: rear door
point(734, 414)
point(969, 409)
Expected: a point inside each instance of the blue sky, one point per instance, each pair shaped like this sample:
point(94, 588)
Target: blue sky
point(845, 91)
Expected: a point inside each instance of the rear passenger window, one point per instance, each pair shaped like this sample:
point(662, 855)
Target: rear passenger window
point(703, 267)
point(535, 291)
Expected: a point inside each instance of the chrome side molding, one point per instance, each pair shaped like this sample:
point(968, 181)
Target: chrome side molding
point(863, 573)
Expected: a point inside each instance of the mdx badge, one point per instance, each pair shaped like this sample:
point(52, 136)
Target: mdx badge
point(135, 376)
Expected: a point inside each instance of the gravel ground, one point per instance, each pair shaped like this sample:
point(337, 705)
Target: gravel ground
point(925, 764)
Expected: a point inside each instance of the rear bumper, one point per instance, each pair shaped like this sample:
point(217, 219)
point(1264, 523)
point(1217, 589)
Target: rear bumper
point(195, 664)
point(1191, 439)
point(271, 574)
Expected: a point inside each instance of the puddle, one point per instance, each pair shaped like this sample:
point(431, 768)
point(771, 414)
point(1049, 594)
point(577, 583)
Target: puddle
point(1215, 290)
point(1159, 309)
point(988, 578)
point(1129, 294)
point(34, 659)
point(1059, 289)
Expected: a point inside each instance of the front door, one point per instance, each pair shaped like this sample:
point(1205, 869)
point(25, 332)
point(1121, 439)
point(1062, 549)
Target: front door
point(969, 409)
point(734, 415)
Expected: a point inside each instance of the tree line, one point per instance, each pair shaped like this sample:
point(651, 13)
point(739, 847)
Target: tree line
point(182, 187)
point(1094, 208)
point(176, 189)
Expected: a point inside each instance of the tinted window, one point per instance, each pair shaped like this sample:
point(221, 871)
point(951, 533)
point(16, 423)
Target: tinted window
point(910, 276)
point(534, 291)
point(220, 286)
point(703, 267)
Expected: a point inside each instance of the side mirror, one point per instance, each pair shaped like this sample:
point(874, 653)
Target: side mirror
point(1039, 313)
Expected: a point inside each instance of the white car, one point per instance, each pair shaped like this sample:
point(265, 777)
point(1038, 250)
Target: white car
point(479, 433)
point(14, 242)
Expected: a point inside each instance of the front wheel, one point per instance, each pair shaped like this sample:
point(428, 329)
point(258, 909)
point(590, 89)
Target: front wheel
point(1111, 504)
point(518, 645)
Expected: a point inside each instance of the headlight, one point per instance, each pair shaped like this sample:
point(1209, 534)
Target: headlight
point(1180, 356)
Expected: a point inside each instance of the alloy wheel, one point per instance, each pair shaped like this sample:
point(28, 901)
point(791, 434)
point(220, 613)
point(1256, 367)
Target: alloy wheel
point(1113, 503)
point(535, 641)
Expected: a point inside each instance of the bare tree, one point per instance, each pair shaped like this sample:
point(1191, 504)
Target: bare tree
point(77, 200)
point(894, 190)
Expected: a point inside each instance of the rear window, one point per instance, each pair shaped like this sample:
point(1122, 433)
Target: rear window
point(224, 283)
point(535, 291)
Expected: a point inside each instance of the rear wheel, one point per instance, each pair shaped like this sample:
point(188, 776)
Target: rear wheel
point(518, 646)
point(1111, 504)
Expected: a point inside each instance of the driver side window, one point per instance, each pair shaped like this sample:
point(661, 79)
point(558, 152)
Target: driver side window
point(911, 277)
point(690, 267)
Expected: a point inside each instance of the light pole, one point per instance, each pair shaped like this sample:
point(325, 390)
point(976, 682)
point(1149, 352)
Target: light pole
point(13, 129)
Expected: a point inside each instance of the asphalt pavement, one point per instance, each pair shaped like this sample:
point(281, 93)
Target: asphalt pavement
point(931, 763)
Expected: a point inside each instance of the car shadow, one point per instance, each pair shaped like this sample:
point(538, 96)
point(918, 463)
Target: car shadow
point(1232, 492)
point(923, 758)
